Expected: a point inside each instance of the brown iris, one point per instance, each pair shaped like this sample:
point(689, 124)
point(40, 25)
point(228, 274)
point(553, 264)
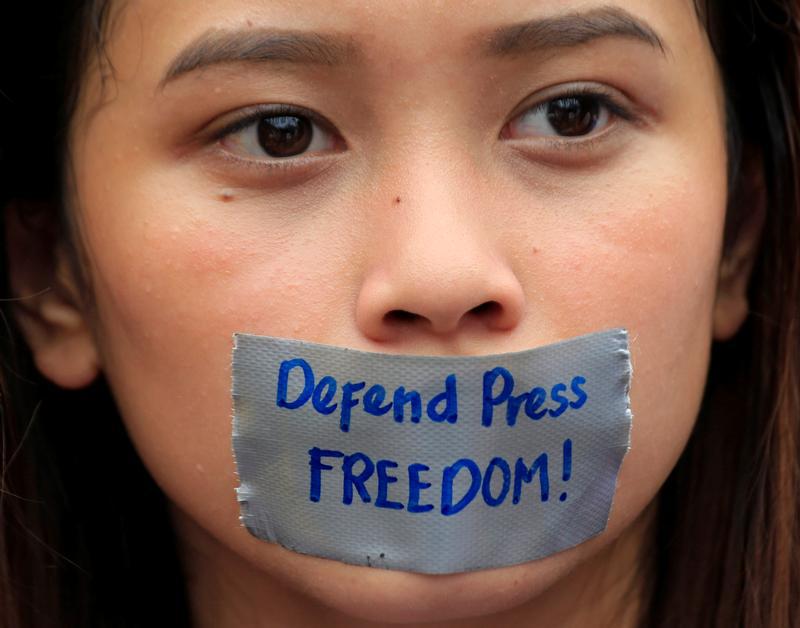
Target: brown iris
point(574, 115)
point(284, 136)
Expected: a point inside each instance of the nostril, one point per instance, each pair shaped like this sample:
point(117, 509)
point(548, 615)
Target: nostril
point(400, 316)
point(490, 309)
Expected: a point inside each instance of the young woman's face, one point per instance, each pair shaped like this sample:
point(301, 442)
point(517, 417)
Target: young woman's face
point(454, 185)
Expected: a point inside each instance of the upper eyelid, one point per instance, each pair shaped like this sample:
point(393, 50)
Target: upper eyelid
point(610, 97)
point(629, 113)
point(609, 103)
point(243, 118)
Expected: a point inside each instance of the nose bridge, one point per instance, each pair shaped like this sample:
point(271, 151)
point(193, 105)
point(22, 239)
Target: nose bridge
point(442, 200)
point(439, 269)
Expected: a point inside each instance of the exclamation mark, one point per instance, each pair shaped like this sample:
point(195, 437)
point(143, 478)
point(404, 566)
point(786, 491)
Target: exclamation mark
point(567, 466)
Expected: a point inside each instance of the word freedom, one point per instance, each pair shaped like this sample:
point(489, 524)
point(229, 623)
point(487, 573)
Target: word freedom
point(495, 484)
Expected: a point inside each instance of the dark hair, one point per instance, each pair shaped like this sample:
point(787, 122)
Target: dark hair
point(733, 557)
point(85, 538)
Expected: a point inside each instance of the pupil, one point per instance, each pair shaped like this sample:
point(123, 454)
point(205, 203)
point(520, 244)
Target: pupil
point(576, 115)
point(284, 136)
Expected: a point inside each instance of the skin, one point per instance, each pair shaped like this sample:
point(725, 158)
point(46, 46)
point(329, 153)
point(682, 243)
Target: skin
point(187, 240)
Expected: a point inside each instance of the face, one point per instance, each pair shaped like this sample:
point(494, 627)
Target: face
point(430, 181)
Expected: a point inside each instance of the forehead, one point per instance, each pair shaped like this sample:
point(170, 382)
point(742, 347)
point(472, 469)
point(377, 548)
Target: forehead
point(145, 34)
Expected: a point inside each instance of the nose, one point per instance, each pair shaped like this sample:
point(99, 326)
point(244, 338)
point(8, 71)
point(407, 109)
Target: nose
point(440, 271)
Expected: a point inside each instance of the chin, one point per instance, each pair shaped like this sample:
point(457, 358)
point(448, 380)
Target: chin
point(401, 597)
point(272, 576)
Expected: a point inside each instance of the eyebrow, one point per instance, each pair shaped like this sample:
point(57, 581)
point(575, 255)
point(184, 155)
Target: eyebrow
point(224, 46)
point(219, 46)
point(572, 29)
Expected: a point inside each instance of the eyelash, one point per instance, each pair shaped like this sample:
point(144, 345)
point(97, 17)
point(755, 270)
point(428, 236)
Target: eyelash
point(251, 116)
point(586, 142)
point(256, 113)
point(604, 99)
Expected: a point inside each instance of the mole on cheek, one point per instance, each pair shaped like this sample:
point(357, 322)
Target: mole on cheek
point(226, 196)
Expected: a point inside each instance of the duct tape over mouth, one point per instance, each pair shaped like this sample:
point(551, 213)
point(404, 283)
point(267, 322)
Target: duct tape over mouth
point(429, 464)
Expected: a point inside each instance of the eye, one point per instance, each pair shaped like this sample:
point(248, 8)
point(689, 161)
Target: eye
point(277, 134)
point(570, 116)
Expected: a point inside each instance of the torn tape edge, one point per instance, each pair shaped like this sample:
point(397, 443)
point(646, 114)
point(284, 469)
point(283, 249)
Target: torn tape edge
point(243, 492)
point(619, 333)
point(624, 350)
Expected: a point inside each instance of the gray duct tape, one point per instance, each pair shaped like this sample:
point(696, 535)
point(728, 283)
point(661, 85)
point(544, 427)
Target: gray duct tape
point(429, 464)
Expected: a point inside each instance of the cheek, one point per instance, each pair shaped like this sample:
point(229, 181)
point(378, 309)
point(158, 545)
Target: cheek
point(171, 288)
point(644, 255)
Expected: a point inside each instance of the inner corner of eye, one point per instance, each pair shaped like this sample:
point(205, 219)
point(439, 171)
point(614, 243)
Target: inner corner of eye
point(506, 132)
